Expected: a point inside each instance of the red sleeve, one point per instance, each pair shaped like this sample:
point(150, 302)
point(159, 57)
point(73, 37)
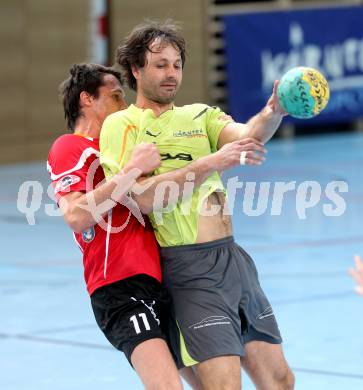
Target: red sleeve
point(68, 163)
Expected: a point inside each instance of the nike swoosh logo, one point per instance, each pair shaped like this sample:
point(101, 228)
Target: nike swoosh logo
point(151, 134)
point(201, 113)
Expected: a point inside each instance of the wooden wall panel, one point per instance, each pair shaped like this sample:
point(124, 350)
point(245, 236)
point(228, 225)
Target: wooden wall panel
point(41, 39)
point(12, 153)
point(12, 81)
point(57, 38)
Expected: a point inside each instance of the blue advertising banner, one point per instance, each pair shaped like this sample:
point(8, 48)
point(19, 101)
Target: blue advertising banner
point(261, 47)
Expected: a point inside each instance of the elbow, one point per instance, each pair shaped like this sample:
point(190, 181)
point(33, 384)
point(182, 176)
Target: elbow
point(148, 208)
point(145, 207)
point(148, 205)
point(76, 223)
point(143, 204)
point(77, 227)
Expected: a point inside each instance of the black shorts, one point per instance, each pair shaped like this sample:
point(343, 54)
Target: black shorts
point(218, 302)
point(131, 311)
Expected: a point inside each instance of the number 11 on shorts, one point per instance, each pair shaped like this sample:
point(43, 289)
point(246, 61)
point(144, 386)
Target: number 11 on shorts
point(136, 322)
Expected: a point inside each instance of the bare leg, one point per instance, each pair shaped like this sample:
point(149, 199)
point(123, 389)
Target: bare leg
point(267, 367)
point(220, 373)
point(155, 366)
point(191, 378)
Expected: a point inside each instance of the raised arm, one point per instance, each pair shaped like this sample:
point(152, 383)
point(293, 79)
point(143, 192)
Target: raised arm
point(261, 127)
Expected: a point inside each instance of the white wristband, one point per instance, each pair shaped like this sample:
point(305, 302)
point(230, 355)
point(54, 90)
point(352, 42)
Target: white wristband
point(242, 158)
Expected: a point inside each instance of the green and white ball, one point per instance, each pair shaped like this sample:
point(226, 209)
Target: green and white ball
point(303, 92)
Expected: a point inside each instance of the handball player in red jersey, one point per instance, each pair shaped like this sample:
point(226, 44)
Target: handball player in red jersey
point(120, 255)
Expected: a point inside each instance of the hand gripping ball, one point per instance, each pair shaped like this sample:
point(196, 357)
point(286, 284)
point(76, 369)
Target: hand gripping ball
point(303, 92)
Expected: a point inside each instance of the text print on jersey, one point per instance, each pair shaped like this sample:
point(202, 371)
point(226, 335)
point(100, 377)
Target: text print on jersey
point(179, 156)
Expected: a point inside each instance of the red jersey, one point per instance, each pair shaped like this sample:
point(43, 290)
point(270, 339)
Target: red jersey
point(107, 256)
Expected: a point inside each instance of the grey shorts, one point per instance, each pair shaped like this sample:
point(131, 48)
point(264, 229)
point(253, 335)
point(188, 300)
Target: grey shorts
point(218, 301)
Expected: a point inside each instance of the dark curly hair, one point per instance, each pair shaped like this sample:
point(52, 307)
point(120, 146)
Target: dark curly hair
point(83, 77)
point(132, 52)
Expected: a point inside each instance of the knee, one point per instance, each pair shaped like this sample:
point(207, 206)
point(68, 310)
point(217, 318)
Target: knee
point(164, 385)
point(224, 384)
point(164, 381)
point(290, 383)
point(220, 373)
point(286, 380)
point(221, 381)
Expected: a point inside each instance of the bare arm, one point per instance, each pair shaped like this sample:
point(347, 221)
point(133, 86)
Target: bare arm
point(262, 126)
point(227, 157)
point(82, 210)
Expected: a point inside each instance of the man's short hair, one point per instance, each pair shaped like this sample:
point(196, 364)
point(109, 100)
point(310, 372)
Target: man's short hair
point(133, 51)
point(83, 77)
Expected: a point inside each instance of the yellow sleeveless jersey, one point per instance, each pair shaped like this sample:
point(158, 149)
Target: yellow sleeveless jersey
point(182, 135)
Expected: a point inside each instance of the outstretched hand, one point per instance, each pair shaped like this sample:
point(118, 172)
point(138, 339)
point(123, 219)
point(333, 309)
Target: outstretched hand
point(273, 102)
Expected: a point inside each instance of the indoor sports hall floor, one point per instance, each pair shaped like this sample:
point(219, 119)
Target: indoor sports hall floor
point(48, 337)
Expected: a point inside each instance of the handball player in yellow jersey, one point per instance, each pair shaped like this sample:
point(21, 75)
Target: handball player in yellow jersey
point(224, 319)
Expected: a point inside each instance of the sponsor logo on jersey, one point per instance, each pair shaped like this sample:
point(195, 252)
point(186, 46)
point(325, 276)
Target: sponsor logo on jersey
point(197, 133)
point(179, 156)
point(88, 235)
point(201, 113)
point(65, 182)
point(148, 132)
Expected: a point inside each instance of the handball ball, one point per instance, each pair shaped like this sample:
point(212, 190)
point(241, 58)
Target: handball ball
point(303, 92)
